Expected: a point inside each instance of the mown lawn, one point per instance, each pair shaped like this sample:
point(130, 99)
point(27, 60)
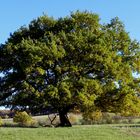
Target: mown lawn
point(94, 132)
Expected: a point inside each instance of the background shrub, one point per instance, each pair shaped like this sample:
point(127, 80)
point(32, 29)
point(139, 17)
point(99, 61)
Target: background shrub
point(92, 117)
point(23, 119)
point(107, 118)
point(1, 122)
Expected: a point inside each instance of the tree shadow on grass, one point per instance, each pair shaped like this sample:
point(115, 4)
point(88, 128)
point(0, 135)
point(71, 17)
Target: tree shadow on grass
point(129, 126)
point(17, 126)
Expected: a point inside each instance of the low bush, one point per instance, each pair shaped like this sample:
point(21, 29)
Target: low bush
point(106, 118)
point(92, 117)
point(4, 116)
point(9, 124)
point(23, 119)
point(1, 122)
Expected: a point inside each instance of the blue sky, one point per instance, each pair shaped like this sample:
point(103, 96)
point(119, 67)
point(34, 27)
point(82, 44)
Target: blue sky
point(15, 13)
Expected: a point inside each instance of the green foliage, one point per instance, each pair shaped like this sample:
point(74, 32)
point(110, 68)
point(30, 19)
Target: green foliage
point(130, 106)
point(71, 62)
point(1, 122)
point(92, 117)
point(23, 119)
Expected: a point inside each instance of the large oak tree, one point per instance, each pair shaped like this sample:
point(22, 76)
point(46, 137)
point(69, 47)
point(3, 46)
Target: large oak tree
point(71, 62)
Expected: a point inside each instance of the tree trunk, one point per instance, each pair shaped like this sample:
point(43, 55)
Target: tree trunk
point(64, 120)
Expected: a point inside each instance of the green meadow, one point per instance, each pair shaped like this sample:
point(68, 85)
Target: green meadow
point(82, 132)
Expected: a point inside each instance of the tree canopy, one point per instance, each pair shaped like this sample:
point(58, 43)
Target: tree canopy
point(71, 62)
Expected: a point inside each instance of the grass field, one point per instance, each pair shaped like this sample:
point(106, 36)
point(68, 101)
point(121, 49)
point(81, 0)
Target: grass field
point(93, 132)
